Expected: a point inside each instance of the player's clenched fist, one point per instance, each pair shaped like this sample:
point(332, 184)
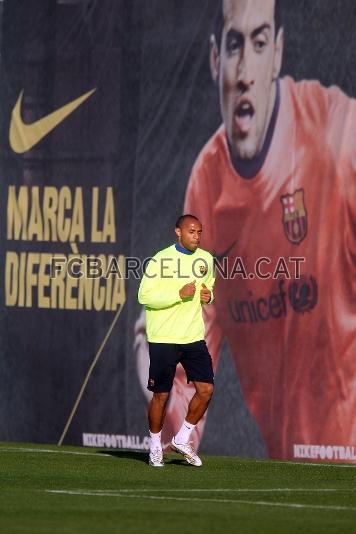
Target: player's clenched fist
point(205, 294)
point(188, 290)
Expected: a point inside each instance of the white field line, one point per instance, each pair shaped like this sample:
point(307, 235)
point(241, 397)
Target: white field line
point(216, 490)
point(20, 449)
point(195, 499)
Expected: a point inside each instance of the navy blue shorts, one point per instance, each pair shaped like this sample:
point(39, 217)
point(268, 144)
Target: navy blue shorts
point(164, 357)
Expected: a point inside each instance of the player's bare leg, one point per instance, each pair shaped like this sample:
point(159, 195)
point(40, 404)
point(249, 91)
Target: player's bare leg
point(196, 409)
point(157, 411)
point(199, 402)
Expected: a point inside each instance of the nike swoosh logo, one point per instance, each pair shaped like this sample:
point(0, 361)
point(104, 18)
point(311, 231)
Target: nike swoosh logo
point(23, 137)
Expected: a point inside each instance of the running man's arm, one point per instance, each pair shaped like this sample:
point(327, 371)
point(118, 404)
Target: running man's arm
point(210, 282)
point(198, 202)
point(155, 291)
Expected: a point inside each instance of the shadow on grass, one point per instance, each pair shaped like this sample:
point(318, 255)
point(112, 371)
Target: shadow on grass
point(143, 457)
point(176, 461)
point(126, 455)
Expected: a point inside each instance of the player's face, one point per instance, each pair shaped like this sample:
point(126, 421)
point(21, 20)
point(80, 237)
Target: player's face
point(247, 66)
point(189, 234)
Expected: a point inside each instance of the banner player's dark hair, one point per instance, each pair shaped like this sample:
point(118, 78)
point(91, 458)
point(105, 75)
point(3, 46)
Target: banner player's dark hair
point(219, 20)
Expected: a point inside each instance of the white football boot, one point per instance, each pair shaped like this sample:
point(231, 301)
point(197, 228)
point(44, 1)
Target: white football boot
point(187, 451)
point(156, 457)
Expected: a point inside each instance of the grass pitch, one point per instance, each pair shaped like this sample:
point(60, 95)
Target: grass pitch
point(49, 489)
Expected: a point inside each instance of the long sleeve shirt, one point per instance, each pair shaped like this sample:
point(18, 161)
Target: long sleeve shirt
point(169, 318)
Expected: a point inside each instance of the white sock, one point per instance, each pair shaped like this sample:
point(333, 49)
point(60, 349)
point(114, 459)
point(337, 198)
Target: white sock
point(184, 433)
point(155, 440)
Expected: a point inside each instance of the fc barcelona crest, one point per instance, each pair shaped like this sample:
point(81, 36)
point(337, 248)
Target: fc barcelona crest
point(295, 219)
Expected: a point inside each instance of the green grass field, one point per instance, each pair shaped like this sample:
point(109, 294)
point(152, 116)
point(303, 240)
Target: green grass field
point(49, 489)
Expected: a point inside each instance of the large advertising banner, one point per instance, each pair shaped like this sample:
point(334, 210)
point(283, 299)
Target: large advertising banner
point(117, 116)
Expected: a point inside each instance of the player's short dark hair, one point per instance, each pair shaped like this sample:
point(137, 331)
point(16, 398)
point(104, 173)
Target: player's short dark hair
point(219, 20)
point(182, 218)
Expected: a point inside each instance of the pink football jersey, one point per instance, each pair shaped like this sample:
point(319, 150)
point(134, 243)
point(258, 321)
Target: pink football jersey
point(293, 339)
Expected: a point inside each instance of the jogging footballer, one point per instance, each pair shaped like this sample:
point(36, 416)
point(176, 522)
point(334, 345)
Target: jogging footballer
point(177, 283)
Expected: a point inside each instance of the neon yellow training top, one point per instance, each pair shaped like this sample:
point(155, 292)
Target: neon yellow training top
point(169, 318)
